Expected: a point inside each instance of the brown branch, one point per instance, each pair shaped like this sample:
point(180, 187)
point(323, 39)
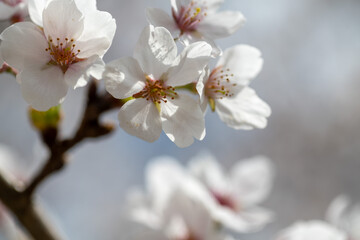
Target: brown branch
point(20, 202)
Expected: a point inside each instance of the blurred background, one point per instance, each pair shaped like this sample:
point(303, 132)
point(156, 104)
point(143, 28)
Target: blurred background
point(311, 79)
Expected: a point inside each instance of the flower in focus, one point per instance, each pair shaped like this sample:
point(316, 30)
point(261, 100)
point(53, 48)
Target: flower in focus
point(238, 192)
point(194, 20)
point(15, 10)
point(341, 215)
point(64, 46)
point(177, 207)
point(312, 230)
point(150, 79)
point(226, 90)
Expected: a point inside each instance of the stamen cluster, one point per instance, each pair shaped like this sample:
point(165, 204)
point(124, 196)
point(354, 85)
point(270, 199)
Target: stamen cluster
point(219, 84)
point(187, 18)
point(156, 91)
point(63, 53)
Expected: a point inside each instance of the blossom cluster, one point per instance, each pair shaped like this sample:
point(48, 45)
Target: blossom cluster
point(64, 45)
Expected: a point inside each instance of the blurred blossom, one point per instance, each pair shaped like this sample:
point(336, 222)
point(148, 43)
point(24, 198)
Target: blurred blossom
point(346, 218)
point(150, 79)
point(312, 230)
point(226, 89)
point(14, 10)
point(194, 20)
point(67, 48)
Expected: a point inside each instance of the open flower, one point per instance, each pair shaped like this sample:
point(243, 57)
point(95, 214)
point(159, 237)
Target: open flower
point(197, 20)
point(151, 78)
point(14, 10)
point(341, 215)
point(311, 230)
point(64, 47)
point(226, 90)
point(238, 192)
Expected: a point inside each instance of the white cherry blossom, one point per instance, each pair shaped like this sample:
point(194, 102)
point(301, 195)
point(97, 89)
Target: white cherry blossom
point(312, 230)
point(346, 218)
point(14, 10)
point(197, 20)
point(150, 78)
point(226, 90)
point(64, 46)
point(237, 192)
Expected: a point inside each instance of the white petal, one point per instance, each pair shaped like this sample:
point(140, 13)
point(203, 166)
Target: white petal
point(354, 220)
point(160, 18)
point(43, 88)
point(183, 120)
point(76, 75)
point(337, 209)
point(36, 8)
point(193, 37)
point(62, 19)
point(243, 111)
point(155, 51)
point(141, 118)
point(192, 62)
point(23, 44)
point(86, 6)
point(250, 189)
point(220, 25)
point(91, 47)
point(312, 230)
point(244, 61)
point(246, 221)
point(123, 77)
point(6, 11)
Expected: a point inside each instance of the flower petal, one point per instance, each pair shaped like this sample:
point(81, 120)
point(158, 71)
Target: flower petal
point(155, 51)
point(243, 111)
point(159, 18)
point(23, 44)
point(192, 62)
point(91, 47)
point(62, 19)
point(244, 61)
point(123, 77)
point(193, 37)
point(183, 120)
point(86, 6)
point(43, 88)
point(222, 24)
point(36, 8)
point(141, 118)
point(7, 11)
point(250, 190)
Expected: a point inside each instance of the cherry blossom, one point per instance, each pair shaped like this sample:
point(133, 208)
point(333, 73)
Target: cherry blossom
point(226, 90)
point(311, 230)
point(64, 46)
point(14, 10)
point(340, 214)
point(197, 20)
point(237, 192)
point(150, 79)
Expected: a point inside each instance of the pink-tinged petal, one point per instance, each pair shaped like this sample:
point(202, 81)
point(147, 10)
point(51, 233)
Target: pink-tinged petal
point(312, 230)
point(192, 62)
point(160, 18)
point(244, 61)
point(101, 26)
point(222, 24)
point(76, 75)
point(246, 221)
point(62, 19)
point(243, 111)
point(23, 44)
point(249, 189)
point(183, 120)
point(123, 77)
point(155, 51)
point(140, 118)
point(7, 11)
point(36, 8)
point(91, 47)
point(43, 88)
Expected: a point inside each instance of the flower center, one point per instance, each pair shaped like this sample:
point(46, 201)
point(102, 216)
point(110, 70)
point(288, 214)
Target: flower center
point(187, 18)
point(11, 3)
point(63, 53)
point(220, 84)
point(225, 200)
point(156, 91)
